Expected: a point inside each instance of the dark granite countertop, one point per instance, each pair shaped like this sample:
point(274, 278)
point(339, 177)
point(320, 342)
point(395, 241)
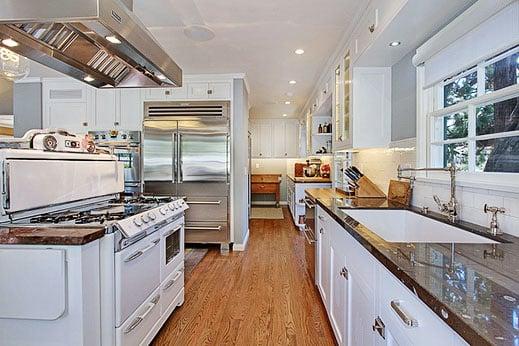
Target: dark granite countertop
point(479, 287)
point(49, 235)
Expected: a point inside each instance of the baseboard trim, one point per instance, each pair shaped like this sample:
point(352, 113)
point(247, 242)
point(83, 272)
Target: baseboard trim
point(241, 247)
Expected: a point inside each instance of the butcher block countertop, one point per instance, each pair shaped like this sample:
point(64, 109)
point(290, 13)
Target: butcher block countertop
point(49, 235)
point(309, 180)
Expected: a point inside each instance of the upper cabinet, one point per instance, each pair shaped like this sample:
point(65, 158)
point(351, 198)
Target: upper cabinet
point(118, 109)
point(68, 105)
point(210, 91)
point(274, 138)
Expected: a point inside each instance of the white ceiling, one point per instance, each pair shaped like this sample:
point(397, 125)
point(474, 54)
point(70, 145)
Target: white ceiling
point(257, 38)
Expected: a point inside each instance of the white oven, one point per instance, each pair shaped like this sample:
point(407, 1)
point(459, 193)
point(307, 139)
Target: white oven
point(171, 247)
point(137, 275)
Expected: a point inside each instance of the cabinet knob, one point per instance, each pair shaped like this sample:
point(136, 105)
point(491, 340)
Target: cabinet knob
point(209, 92)
point(286, 154)
point(371, 28)
point(261, 154)
point(85, 124)
point(116, 123)
point(167, 92)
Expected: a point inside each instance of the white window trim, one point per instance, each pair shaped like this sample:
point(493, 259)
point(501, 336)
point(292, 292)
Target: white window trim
point(428, 102)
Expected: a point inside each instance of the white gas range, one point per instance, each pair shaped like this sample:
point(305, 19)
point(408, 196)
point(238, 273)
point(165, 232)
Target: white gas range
point(141, 256)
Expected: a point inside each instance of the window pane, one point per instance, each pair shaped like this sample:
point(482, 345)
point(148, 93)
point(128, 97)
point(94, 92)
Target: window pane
point(498, 117)
point(498, 155)
point(502, 73)
point(457, 152)
point(461, 89)
point(456, 125)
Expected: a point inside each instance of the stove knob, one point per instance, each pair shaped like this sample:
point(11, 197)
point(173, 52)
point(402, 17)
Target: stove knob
point(137, 222)
point(171, 206)
point(163, 210)
point(152, 215)
point(145, 218)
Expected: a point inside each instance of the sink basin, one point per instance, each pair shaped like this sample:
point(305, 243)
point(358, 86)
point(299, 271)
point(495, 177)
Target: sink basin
point(403, 226)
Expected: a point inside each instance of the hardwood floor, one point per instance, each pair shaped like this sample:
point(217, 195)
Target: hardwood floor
point(262, 296)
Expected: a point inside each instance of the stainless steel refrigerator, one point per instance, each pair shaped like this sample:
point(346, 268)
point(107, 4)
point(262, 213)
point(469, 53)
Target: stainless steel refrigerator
point(186, 153)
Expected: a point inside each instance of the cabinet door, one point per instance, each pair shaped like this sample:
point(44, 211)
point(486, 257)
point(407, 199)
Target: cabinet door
point(179, 93)
point(279, 146)
point(323, 279)
point(67, 115)
point(265, 134)
point(363, 313)
point(291, 136)
point(197, 90)
point(339, 292)
point(219, 90)
point(255, 140)
point(105, 115)
point(156, 94)
point(130, 110)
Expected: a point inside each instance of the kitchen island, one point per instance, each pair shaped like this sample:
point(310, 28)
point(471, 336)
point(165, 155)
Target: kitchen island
point(447, 293)
point(296, 187)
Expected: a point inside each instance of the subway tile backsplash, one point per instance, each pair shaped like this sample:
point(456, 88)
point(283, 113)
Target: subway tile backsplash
point(380, 166)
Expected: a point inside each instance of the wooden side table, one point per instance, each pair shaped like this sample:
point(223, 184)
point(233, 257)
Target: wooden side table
point(266, 184)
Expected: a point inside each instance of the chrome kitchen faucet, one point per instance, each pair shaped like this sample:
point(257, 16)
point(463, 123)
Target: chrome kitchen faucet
point(450, 208)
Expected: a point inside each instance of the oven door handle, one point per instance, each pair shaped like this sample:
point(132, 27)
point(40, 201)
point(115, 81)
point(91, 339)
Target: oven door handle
point(172, 281)
point(171, 232)
point(308, 203)
point(305, 232)
point(139, 253)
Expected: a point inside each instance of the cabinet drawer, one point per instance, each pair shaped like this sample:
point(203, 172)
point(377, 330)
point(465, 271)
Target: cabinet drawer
point(398, 303)
point(171, 287)
point(264, 188)
point(138, 325)
point(207, 232)
point(206, 208)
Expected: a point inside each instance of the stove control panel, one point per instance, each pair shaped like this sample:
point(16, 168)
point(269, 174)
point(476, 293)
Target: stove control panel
point(137, 223)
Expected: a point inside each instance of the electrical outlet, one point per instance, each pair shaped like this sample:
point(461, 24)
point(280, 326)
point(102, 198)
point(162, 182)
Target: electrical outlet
point(257, 165)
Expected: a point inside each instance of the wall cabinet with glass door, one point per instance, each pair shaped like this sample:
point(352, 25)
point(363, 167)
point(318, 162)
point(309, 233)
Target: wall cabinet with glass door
point(342, 105)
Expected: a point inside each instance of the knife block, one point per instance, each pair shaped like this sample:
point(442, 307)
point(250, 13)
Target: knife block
point(367, 189)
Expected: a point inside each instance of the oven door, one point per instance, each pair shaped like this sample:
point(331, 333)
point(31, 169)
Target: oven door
point(171, 247)
point(137, 275)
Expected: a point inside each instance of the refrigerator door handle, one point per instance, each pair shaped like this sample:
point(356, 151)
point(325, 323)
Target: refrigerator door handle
point(175, 158)
point(179, 158)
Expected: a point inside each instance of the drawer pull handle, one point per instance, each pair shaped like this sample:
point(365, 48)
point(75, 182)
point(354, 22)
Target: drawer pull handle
point(139, 253)
point(321, 218)
point(141, 318)
point(204, 202)
point(188, 228)
point(408, 320)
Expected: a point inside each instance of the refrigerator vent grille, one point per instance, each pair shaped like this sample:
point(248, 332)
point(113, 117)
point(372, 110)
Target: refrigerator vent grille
point(188, 110)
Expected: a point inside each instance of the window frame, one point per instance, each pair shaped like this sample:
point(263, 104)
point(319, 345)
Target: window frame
point(431, 107)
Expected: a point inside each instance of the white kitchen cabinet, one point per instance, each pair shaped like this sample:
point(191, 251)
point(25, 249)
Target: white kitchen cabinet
point(130, 109)
point(286, 142)
point(118, 109)
point(165, 94)
point(371, 104)
point(211, 90)
point(367, 292)
point(261, 139)
point(105, 116)
point(339, 291)
point(67, 104)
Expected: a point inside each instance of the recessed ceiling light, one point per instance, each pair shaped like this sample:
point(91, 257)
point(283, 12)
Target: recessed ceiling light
point(9, 42)
point(285, 114)
point(89, 79)
point(292, 82)
point(299, 51)
point(161, 77)
point(287, 102)
point(113, 39)
point(395, 43)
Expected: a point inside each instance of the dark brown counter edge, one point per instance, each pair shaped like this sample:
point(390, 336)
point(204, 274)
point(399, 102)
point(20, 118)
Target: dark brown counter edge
point(49, 235)
point(453, 320)
point(313, 180)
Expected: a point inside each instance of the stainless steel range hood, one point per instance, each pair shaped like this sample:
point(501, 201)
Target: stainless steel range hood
point(98, 41)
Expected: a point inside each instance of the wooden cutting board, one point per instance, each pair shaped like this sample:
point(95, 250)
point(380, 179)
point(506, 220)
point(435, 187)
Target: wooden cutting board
point(298, 169)
point(399, 191)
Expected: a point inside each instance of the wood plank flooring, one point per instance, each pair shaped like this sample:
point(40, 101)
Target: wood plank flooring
point(262, 296)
